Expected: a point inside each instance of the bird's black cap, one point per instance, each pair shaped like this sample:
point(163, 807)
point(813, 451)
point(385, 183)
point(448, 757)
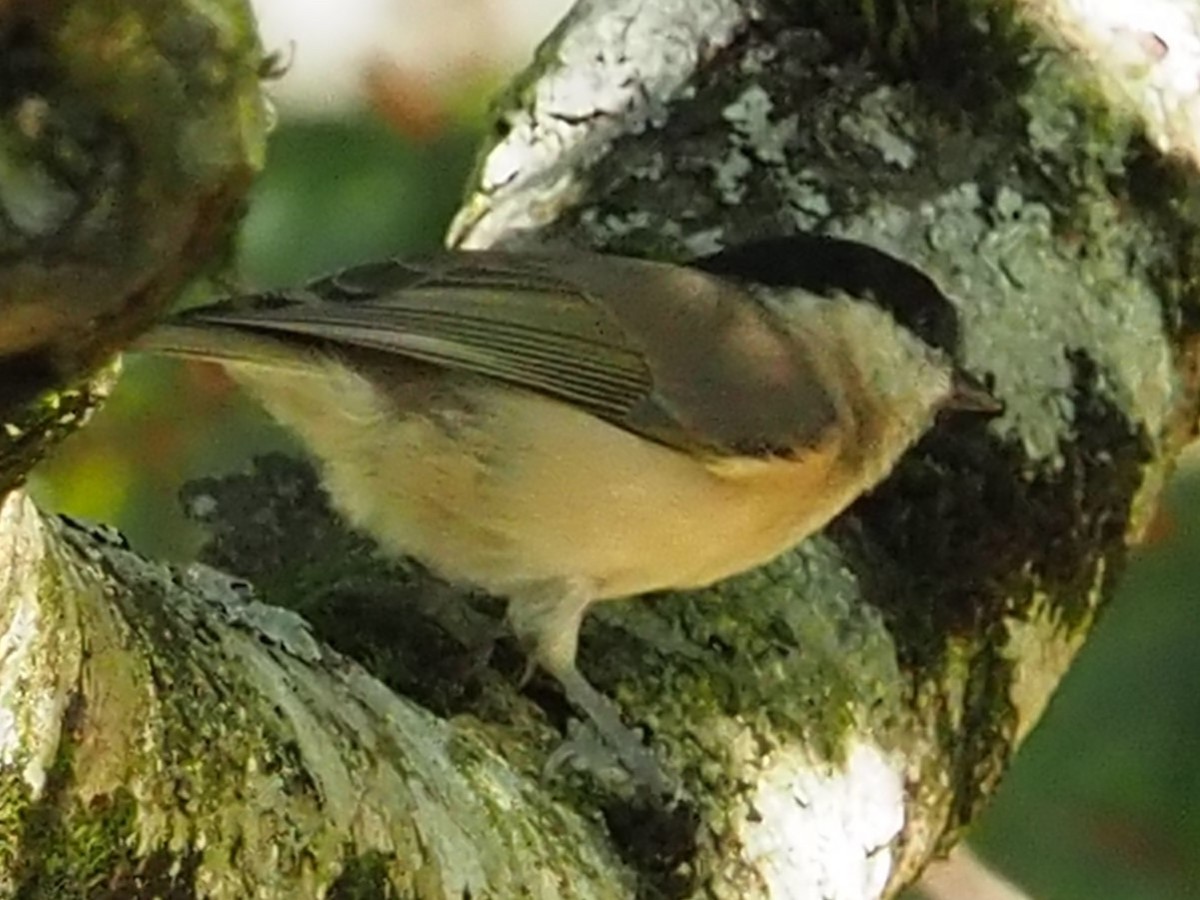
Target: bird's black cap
point(823, 264)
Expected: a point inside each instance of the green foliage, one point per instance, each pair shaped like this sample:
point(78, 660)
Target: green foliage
point(336, 193)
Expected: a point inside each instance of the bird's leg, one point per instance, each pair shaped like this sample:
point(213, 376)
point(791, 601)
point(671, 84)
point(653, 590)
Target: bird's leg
point(624, 741)
point(546, 620)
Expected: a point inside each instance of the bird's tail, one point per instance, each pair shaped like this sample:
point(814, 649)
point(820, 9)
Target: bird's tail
point(226, 345)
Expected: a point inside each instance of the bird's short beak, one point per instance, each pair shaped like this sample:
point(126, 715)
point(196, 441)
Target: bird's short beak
point(967, 394)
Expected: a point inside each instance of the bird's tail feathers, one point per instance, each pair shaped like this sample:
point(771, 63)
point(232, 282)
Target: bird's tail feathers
point(222, 345)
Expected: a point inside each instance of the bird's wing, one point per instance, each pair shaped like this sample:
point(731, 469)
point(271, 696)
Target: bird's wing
point(678, 356)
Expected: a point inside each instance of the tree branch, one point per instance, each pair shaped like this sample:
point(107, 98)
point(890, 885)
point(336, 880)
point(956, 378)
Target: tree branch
point(129, 134)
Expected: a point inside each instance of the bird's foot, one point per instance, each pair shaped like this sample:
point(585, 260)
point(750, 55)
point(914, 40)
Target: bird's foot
point(617, 738)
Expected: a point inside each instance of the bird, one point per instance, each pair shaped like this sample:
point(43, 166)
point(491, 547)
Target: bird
point(562, 427)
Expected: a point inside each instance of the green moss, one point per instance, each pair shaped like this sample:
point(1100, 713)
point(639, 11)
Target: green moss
point(64, 850)
point(789, 651)
point(128, 136)
point(81, 852)
point(180, 65)
point(363, 877)
point(37, 416)
point(14, 799)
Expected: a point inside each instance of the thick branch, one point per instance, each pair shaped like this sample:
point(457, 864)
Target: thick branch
point(129, 134)
point(167, 731)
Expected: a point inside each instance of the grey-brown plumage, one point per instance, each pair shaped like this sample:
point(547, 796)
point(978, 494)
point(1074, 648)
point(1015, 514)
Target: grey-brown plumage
point(560, 429)
point(572, 328)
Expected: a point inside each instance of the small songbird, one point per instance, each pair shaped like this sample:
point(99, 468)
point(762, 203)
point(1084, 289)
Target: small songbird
point(565, 427)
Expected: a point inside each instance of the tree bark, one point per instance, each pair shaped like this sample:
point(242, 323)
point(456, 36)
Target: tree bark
point(130, 133)
point(836, 717)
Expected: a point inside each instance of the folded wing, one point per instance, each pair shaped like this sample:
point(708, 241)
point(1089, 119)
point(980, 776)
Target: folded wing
point(678, 356)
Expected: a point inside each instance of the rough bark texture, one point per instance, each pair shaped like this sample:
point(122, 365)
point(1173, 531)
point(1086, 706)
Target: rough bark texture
point(129, 133)
point(836, 717)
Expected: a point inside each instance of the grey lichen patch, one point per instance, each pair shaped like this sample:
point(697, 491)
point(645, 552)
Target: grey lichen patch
point(1025, 297)
point(273, 624)
point(1045, 256)
point(756, 138)
point(874, 124)
point(767, 137)
point(730, 174)
point(808, 197)
point(1088, 147)
point(717, 178)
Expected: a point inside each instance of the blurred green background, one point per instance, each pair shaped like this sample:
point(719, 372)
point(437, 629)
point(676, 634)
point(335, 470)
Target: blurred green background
point(1104, 801)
